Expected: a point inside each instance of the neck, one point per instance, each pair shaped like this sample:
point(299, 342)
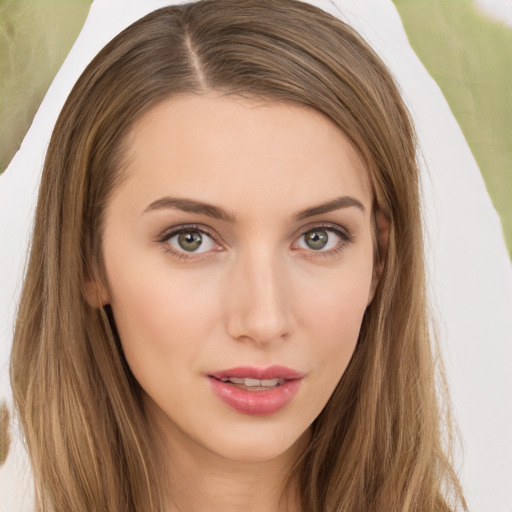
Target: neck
point(200, 480)
point(220, 485)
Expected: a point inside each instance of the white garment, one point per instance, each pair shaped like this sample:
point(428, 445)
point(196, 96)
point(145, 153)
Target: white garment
point(469, 268)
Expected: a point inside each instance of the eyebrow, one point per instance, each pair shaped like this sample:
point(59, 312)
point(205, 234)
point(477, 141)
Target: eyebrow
point(210, 210)
point(330, 206)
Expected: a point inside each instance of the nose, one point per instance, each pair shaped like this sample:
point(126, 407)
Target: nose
point(260, 299)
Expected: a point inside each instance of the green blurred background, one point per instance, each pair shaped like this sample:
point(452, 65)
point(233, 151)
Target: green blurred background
point(468, 55)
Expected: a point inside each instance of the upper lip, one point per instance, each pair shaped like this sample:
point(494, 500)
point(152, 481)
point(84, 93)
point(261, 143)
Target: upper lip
point(253, 372)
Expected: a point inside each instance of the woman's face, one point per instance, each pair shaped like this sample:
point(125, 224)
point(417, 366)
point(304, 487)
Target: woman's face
point(239, 259)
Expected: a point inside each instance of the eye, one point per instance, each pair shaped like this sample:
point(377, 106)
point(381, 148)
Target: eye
point(189, 240)
point(323, 239)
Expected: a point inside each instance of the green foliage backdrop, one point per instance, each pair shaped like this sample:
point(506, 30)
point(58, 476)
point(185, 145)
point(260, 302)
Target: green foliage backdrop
point(35, 37)
point(470, 57)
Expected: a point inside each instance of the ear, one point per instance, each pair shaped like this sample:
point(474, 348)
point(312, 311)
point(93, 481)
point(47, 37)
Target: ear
point(96, 294)
point(381, 229)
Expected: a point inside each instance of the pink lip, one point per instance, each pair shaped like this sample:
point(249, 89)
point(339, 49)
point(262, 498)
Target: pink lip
point(257, 403)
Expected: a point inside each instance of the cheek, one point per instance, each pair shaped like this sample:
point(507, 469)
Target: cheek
point(335, 326)
point(331, 319)
point(158, 316)
point(339, 313)
point(337, 302)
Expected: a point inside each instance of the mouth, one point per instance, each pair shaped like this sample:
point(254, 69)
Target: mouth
point(255, 391)
point(253, 384)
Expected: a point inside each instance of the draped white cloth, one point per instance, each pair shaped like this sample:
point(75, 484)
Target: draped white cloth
point(470, 273)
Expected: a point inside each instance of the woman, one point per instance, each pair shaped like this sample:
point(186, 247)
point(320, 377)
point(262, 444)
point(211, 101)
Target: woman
point(224, 305)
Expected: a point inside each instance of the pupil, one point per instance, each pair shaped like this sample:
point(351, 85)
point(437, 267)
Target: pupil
point(190, 240)
point(317, 239)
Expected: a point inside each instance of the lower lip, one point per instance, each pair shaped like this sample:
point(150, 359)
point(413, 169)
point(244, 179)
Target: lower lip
point(256, 403)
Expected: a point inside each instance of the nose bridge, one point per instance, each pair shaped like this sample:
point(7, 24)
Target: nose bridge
point(260, 306)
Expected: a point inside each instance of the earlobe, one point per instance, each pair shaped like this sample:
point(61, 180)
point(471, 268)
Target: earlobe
point(96, 294)
point(382, 226)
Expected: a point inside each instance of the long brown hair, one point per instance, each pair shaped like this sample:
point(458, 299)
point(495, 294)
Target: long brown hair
point(377, 445)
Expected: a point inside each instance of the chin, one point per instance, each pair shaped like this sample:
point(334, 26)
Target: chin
point(260, 444)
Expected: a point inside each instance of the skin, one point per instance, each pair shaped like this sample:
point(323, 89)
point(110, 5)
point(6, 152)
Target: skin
point(254, 294)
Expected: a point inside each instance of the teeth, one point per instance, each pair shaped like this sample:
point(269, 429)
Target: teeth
point(271, 382)
point(248, 382)
point(235, 380)
point(252, 382)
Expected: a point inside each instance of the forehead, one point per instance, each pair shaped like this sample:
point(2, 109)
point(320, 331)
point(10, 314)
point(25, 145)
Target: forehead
point(242, 151)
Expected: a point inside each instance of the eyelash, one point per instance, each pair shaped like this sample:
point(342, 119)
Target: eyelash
point(344, 235)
